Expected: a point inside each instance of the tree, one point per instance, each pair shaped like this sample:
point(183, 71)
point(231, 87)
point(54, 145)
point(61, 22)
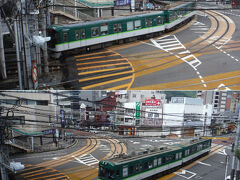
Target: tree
point(237, 153)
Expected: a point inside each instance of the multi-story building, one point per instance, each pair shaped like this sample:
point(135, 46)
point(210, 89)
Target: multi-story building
point(31, 111)
point(217, 98)
point(187, 113)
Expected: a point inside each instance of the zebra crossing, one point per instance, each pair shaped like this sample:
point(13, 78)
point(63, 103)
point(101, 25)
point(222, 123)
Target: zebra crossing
point(104, 148)
point(86, 159)
point(170, 44)
point(199, 27)
point(219, 43)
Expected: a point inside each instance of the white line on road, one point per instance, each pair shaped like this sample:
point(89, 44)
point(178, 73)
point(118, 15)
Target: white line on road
point(199, 162)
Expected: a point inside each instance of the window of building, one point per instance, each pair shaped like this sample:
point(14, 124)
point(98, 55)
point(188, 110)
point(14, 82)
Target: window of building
point(156, 115)
point(42, 102)
point(104, 29)
point(130, 25)
point(95, 31)
point(150, 115)
point(137, 24)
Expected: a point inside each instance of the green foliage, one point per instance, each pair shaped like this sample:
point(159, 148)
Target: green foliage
point(237, 152)
point(170, 94)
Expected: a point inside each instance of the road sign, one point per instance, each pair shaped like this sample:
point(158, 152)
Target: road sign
point(49, 131)
point(138, 113)
point(62, 117)
point(34, 74)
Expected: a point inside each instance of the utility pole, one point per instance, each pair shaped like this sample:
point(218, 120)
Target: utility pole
point(234, 159)
point(2, 55)
point(2, 139)
point(18, 55)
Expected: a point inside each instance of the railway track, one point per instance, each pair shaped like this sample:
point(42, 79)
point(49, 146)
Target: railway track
point(88, 173)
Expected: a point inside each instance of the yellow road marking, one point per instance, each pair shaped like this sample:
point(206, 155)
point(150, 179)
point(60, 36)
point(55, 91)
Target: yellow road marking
point(105, 65)
point(106, 82)
point(48, 176)
point(225, 138)
point(118, 87)
point(95, 57)
point(101, 70)
point(112, 60)
point(195, 83)
point(89, 54)
point(104, 76)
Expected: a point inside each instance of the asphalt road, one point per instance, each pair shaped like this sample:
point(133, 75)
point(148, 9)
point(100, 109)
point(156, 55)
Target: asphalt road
point(204, 54)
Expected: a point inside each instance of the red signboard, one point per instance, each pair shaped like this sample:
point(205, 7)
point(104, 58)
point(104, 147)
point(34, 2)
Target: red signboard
point(153, 102)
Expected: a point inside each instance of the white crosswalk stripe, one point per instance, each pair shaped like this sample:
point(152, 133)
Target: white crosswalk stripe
point(86, 159)
point(164, 44)
point(199, 28)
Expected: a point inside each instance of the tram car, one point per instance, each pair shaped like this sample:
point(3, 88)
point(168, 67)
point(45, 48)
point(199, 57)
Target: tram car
point(155, 163)
point(121, 29)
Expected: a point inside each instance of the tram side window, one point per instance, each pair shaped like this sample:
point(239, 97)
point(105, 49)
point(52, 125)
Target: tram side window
point(180, 155)
point(176, 156)
point(77, 35)
point(104, 29)
point(117, 173)
point(65, 37)
point(82, 33)
point(130, 25)
point(117, 28)
point(125, 171)
point(155, 162)
point(137, 24)
point(145, 166)
point(150, 164)
point(159, 161)
point(159, 20)
point(95, 31)
point(148, 22)
point(187, 152)
point(131, 170)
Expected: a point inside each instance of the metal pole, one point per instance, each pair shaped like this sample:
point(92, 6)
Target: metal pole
point(2, 55)
point(235, 147)
point(44, 25)
point(18, 55)
point(3, 170)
